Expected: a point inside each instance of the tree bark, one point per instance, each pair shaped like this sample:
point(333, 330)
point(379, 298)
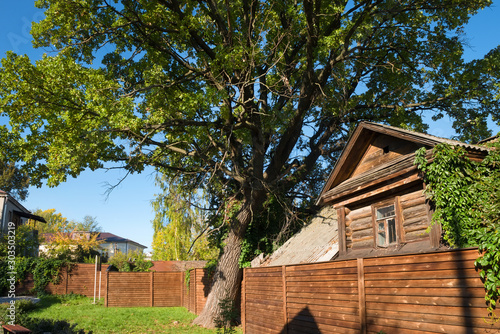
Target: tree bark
point(228, 274)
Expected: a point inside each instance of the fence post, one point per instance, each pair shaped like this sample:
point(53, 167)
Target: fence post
point(285, 317)
point(107, 289)
point(362, 296)
point(193, 290)
point(152, 278)
point(243, 301)
point(67, 280)
point(182, 288)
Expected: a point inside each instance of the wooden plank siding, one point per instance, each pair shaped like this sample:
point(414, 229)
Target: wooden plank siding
point(163, 289)
point(418, 293)
point(263, 297)
point(160, 289)
point(79, 280)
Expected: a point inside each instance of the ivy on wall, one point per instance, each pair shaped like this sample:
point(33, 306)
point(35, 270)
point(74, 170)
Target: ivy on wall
point(466, 198)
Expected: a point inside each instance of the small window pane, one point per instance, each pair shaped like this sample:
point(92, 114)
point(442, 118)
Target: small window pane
point(381, 238)
point(381, 226)
point(385, 212)
point(391, 227)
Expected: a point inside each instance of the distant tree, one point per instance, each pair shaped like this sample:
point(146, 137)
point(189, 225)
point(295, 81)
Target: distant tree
point(75, 248)
point(56, 222)
point(181, 229)
point(13, 180)
point(89, 224)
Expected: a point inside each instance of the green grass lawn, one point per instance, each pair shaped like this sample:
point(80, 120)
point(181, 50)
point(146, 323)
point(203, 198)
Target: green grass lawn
point(100, 319)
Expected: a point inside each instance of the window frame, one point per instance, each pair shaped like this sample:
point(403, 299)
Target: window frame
point(397, 222)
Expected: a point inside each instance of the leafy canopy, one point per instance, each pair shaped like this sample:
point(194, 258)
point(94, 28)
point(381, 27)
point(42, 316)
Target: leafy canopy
point(235, 91)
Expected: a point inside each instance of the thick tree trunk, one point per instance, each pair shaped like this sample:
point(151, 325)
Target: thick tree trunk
point(227, 276)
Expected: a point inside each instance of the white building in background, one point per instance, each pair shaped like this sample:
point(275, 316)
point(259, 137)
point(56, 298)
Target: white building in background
point(112, 244)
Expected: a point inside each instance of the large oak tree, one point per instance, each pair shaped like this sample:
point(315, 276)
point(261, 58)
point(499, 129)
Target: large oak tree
point(247, 98)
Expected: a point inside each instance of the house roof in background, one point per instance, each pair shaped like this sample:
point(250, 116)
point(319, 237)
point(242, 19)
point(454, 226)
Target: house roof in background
point(113, 238)
point(316, 242)
point(103, 236)
point(177, 265)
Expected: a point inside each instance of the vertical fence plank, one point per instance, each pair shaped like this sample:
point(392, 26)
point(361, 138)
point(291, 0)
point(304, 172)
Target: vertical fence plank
point(152, 288)
point(107, 289)
point(193, 287)
point(362, 296)
point(182, 288)
point(285, 316)
point(243, 302)
point(67, 279)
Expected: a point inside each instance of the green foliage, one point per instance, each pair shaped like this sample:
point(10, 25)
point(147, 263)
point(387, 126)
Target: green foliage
point(75, 247)
point(42, 326)
point(180, 228)
point(271, 227)
point(187, 278)
point(131, 261)
point(56, 222)
point(19, 309)
point(225, 321)
point(26, 242)
point(44, 271)
point(13, 180)
point(466, 196)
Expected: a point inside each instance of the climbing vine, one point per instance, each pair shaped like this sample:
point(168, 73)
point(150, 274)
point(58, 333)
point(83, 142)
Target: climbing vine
point(466, 197)
point(44, 270)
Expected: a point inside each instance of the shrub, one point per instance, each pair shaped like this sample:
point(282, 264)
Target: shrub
point(132, 261)
point(41, 326)
point(20, 310)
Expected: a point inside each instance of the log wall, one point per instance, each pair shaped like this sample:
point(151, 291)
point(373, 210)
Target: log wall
point(406, 294)
point(415, 216)
point(413, 213)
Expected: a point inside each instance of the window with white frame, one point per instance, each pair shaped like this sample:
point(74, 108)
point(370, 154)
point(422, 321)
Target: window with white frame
point(385, 226)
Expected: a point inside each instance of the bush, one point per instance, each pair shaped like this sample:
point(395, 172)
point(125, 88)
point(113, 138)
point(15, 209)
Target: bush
point(41, 326)
point(20, 309)
point(132, 261)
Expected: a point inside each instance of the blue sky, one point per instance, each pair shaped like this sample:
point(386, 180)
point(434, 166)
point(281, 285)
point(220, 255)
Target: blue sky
point(127, 211)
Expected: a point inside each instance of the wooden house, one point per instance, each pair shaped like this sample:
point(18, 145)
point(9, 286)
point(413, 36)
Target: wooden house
point(377, 197)
point(377, 191)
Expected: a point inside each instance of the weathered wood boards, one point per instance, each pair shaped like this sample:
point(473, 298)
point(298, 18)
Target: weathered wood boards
point(423, 293)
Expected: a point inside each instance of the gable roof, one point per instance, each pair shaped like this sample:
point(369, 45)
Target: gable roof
point(112, 238)
point(361, 139)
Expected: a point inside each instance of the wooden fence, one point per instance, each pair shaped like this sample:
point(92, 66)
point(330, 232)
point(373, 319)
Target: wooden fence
point(79, 279)
point(165, 289)
point(144, 289)
point(423, 293)
point(196, 291)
